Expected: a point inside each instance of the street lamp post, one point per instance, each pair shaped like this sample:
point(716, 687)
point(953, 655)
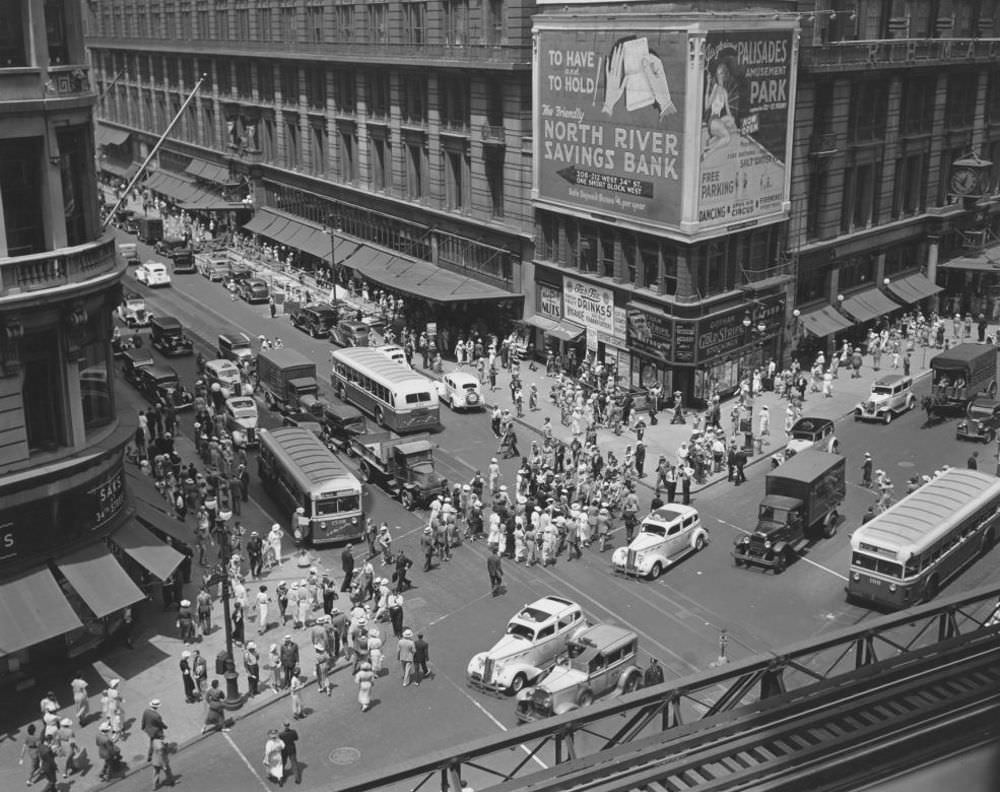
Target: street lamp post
point(333, 229)
point(221, 576)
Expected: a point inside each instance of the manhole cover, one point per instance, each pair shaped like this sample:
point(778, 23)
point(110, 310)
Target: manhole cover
point(905, 464)
point(344, 756)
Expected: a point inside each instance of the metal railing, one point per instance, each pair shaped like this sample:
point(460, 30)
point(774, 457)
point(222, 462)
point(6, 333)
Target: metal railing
point(39, 271)
point(647, 712)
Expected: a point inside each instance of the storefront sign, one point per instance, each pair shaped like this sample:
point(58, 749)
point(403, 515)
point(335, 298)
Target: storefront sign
point(720, 334)
point(621, 325)
point(54, 521)
point(650, 334)
point(609, 119)
point(588, 305)
point(685, 335)
point(746, 145)
point(550, 302)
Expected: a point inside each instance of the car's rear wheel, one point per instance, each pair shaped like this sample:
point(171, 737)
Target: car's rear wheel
point(407, 499)
point(366, 472)
point(631, 684)
point(699, 543)
point(379, 416)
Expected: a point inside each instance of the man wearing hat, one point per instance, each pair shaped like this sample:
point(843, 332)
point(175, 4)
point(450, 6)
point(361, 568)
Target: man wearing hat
point(151, 723)
point(405, 649)
point(255, 552)
point(427, 548)
point(289, 659)
point(106, 750)
point(866, 471)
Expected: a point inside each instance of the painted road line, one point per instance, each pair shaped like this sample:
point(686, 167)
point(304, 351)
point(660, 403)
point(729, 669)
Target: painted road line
point(798, 557)
point(246, 761)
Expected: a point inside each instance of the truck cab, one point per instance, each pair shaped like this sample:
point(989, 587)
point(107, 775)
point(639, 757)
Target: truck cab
point(405, 468)
point(801, 502)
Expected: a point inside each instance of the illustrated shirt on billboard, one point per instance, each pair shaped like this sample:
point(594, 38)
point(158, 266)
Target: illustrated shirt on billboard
point(744, 133)
point(610, 121)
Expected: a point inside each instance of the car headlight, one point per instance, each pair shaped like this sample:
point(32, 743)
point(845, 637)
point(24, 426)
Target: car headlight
point(856, 575)
point(767, 544)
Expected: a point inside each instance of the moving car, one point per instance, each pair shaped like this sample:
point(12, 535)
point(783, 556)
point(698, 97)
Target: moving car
point(214, 267)
point(225, 373)
point(341, 424)
point(349, 333)
point(317, 319)
point(241, 420)
point(235, 346)
point(129, 252)
point(254, 290)
point(153, 273)
point(811, 433)
point(601, 660)
point(535, 636)
point(982, 417)
point(167, 245)
point(168, 336)
point(891, 395)
point(132, 310)
point(461, 391)
point(665, 536)
point(161, 384)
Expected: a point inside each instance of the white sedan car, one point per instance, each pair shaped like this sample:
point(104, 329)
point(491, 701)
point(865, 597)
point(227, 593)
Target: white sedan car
point(153, 273)
point(241, 419)
point(665, 536)
point(461, 391)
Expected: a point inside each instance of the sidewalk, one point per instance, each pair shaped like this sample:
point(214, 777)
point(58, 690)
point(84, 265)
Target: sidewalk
point(151, 669)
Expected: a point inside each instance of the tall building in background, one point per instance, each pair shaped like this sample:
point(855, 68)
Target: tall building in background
point(685, 192)
point(65, 519)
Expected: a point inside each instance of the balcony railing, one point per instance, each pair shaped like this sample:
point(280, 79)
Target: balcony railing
point(342, 52)
point(31, 83)
point(40, 271)
point(897, 53)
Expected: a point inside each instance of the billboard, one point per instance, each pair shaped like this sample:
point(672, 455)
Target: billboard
point(746, 109)
point(610, 111)
point(588, 305)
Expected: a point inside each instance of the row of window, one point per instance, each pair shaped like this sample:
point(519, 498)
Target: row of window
point(919, 19)
point(368, 385)
point(868, 106)
point(15, 48)
point(461, 22)
point(651, 262)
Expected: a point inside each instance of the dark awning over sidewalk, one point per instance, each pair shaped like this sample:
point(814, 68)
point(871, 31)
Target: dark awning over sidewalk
point(151, 552)
point(564, 331)
point(913, 288)
point(33, 609)
point(825, 321)
point(869, 304)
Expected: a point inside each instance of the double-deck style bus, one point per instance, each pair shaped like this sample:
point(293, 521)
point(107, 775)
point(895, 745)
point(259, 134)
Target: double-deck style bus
point(906, 554)
point(397, 398)
point(297, 469)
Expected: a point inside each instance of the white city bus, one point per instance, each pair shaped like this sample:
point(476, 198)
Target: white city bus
point(906, 554)
point(298, 470)
point(397, 398)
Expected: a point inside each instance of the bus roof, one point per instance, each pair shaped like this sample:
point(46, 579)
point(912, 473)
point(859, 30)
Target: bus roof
point(303, 448)
point(378, 363)
point(926, 515)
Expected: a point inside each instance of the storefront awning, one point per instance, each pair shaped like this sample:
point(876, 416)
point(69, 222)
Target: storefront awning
point(564, 331)
point(100, 580)
point(33, 609)
point(173, 186)
point(151, 552)
point(868, 305)
point(209, 171)
point(125, 172)
point(421, 278)
point(987, 261)
point(913, 288)
point(109, 136)
point(257, 223)
point(825, 321)
point(163, 525)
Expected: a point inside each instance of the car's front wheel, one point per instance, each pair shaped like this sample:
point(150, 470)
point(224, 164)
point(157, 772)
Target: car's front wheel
point(517, 683)
point(656, 571)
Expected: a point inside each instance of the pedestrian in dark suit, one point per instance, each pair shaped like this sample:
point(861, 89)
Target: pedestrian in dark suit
point(347, 565)
point(731, 462)
point(290, 752)
point(421, 654)
point(152, 724)
point(741, 461)
point(686, 473)
point(495, 571)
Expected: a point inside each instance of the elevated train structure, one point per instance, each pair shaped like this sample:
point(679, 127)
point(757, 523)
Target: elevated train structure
point(839, 712)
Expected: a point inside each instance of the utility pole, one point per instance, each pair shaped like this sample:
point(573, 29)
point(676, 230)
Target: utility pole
point(221, 576)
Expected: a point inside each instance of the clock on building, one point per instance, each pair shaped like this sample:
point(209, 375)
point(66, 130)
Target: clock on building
point(970, 176)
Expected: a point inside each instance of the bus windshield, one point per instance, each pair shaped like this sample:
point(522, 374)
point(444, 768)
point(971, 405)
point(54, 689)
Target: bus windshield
point(345, 503)
point(880, 565)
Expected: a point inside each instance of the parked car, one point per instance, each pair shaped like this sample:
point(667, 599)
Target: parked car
point(350, 333)
point(665, 536)
point(535, 636)
point(241, 420)
point(461, 390)
point(225, 373)
point(317, 319)
point(599, 661)
point(238, 273)
point(213, 267)
point(253, 291)
point(982, 417)
point(811, 433)
point(161, 384)
point(132, 310)
point(891, 395)
point(153, 273)
point(133, 360)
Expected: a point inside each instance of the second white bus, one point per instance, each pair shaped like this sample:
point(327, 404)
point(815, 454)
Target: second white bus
point(397, 398)
point(906, 554)
point(297, 469)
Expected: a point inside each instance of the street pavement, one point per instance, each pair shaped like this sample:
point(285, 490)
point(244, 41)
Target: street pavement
point(679, 618)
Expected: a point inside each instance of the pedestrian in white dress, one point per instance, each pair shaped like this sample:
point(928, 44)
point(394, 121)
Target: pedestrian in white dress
point(262, 601)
